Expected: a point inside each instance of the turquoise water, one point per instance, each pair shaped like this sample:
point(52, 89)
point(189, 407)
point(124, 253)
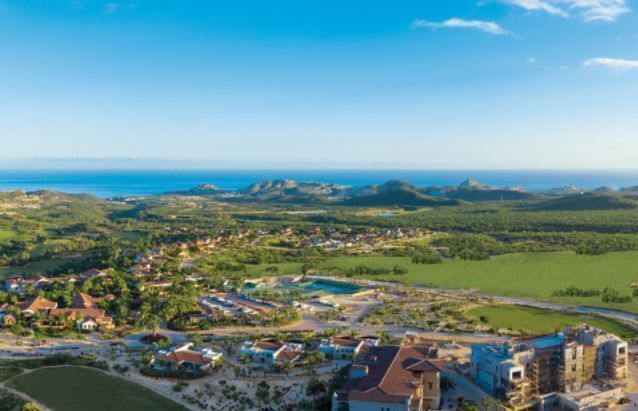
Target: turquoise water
point(139, 182)
point(311, 288)
point(332, 287)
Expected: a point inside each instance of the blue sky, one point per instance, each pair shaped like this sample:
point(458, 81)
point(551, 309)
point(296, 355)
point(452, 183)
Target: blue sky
point(415, 84)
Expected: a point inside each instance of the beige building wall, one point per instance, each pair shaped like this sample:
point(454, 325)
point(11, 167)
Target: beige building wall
point(430, 391)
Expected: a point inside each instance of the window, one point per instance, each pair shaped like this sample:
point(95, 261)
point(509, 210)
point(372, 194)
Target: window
point(430, 386)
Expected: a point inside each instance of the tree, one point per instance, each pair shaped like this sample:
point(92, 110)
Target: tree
point(488, 403)
point(150, 314)
point(315, 387)
point(196, 338)
point(263, 391)
point(466, 406)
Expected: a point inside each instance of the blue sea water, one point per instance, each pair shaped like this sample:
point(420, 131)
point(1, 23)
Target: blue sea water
point(109, 183)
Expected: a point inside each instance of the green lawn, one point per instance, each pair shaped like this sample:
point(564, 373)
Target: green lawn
point(40, 249)
point(533, 275)
point(537, 321)
point(7, 234)
point(41, 266)
point(79, 389)
point(130, 235)
point(286, 269)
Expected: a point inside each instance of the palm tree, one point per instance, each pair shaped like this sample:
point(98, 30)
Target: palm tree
point(286, 367)
point(150, 315)
point(308, 337)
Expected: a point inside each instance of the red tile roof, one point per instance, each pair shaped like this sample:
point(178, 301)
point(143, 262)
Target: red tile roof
point(428, 365)
point(98, 315)
point(390, 377)
point(82, 300)
point(268, 345)
point(37, 304)
point(92, 273)
point(180, 356)
point(290, 356)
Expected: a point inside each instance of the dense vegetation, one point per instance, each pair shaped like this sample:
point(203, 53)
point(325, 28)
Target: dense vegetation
point(52, 233)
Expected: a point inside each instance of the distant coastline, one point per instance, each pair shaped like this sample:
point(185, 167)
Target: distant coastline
point(110, 183)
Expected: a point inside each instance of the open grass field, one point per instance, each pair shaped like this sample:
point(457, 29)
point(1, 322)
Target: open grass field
point(7, 234)
point(129, 235)
point(533, 275)
point(41, 266)
point(537, 321)
point(80, 389)
point(286, 269)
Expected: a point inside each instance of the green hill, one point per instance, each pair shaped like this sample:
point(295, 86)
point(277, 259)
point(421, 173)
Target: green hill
point(399, 197)
point(496, 194)
point(587, 201)
point(286, 188)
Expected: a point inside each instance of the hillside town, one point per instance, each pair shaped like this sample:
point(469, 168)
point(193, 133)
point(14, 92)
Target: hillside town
point(351, 344)
point(262, 318)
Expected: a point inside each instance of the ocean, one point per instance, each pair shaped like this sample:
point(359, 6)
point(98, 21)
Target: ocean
point(110, 183)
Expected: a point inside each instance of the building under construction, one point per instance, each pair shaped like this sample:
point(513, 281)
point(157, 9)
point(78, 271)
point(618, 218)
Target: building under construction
point(521, 374)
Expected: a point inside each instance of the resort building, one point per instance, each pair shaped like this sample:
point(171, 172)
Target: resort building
point(82, 300)
point(91, 274)
point(392, 378)
point(86, 319)
point(564, 362)
point(288, 357)
point(344, 347)
point(17, 285)
point(182, 359)
point(271, 352)
point(36, 305)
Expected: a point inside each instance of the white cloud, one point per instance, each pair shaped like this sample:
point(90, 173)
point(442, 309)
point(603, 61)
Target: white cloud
point(538, 5)
point(616, 64)
point(588, 10)
point(456, 23)
point(603, 10)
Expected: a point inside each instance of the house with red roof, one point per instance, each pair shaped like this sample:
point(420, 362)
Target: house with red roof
point(344, 347)
point(392, 378)
point(271, 352)
point(183, 359)
point(91, 274)
point(36, 305)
